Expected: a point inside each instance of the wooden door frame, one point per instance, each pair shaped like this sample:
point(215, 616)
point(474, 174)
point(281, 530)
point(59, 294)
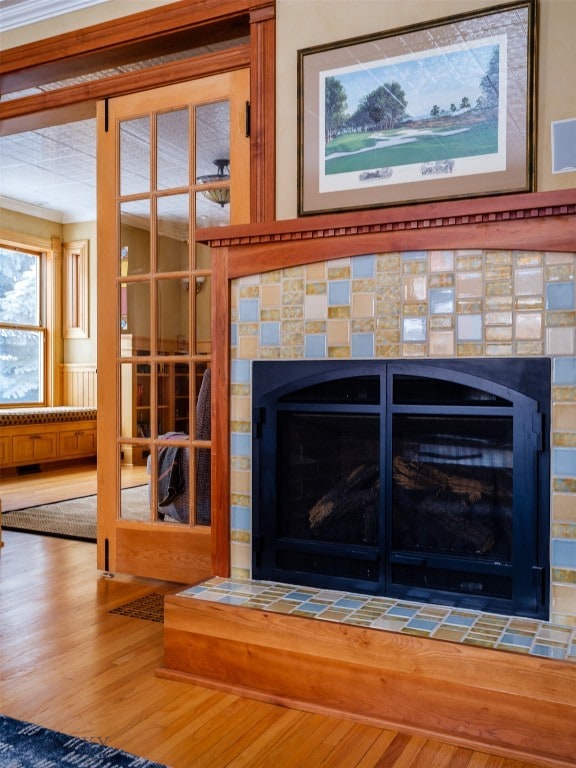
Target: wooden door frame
point(177, 26)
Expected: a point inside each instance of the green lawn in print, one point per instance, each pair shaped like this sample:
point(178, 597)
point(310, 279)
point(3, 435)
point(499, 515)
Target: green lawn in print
point(361, 152)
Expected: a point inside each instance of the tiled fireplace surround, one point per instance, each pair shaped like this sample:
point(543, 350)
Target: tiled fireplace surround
point(415, 304)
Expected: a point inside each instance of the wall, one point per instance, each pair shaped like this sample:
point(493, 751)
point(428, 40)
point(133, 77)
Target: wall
point(422, 304)
point(305, 23)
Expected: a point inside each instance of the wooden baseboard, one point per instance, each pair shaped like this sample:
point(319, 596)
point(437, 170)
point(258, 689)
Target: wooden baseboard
point(511, 704)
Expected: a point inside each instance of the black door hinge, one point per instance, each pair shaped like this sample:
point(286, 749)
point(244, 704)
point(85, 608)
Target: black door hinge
point(248, 116)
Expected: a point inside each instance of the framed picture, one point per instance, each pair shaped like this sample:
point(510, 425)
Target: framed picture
point(436, 111)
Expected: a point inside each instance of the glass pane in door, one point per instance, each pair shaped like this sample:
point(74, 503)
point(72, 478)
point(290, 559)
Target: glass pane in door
point(172, 149)
point(135, 156)
point(135, 246)
point(173, 232)
point(212, 124)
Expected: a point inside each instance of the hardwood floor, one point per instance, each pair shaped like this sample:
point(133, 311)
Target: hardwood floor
point(58, 484)
point(70, 664)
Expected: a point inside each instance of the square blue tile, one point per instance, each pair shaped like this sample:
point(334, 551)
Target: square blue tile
point(564, 373)
point(362, 345)
point(560, 296)
point(511, 638)
point(414, 329)
point(240, 444)
point(338, 293)
point(270, 334)
point(423, 624)
point(550, 651)
point(563, 553)
point(348, 602)
point(460, 621)
point(469, 327)
point(564, 462)
point(441, 301)
point(296, 595)
point(241, 517)
point(315, 345)
point(248, 310)
point(234, 334)
point(398, 610)
point(240, 371)
point(363, 266)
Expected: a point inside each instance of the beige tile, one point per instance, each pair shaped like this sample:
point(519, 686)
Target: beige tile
point(316, 271)
point(338, 332)
point(414, 288)
point(362, 305)
point(528, 325)
point(441, 343)
point(240, 408)
point(499, 333)
point(564, 416)
point(564, 599)
point(560, 341)
point(270, 296)
point(469, 285)
point(529, 281)
point(441, 261)
point(563, 507)
point(247, 347)
point(316, 307)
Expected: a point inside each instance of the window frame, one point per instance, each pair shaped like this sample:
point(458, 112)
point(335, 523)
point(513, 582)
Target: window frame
point(50, 253)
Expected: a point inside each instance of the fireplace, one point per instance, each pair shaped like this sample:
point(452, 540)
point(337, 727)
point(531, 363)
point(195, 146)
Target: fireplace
point(425, 480)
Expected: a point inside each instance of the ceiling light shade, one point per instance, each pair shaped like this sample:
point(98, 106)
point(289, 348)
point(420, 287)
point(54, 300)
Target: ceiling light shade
point(220, 195)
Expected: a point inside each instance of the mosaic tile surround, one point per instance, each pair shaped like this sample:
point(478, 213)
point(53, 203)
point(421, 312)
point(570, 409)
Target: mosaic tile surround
point(420, 304)
point(456, 625)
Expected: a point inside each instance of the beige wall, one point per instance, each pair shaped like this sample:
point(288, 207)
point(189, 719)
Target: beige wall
point(305, 23)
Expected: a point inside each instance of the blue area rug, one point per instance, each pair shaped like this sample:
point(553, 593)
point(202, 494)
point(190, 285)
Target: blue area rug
point(25, 745)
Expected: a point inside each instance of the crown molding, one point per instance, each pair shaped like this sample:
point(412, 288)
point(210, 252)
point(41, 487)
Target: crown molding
point(20, 13)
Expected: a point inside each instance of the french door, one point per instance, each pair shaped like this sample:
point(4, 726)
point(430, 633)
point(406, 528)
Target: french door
point(169, 161)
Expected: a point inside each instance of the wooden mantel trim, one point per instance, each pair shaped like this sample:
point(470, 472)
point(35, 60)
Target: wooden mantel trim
point(477, 211)
point(534, 221)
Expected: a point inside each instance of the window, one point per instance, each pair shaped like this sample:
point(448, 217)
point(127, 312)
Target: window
point(22, 328)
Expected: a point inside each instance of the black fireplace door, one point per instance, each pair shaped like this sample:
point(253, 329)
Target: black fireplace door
point(424, 481)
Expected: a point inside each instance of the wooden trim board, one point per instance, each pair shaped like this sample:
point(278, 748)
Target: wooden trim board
point(511, 704)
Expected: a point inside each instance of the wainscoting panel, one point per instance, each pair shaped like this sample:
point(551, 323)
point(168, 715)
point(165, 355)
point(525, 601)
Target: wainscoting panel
point(78, 384)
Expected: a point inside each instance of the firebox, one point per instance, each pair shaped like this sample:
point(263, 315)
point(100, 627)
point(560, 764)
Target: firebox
point(423, 480)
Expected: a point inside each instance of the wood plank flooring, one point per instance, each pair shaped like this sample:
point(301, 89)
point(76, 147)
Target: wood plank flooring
point(68, 663)
point(58, 484)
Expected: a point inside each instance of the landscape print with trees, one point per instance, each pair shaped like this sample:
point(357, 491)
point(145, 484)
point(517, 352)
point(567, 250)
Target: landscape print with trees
point(420, 115)
point(435, 111)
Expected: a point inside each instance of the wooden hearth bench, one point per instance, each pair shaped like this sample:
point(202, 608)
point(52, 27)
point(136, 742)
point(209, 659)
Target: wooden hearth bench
point(511, 704)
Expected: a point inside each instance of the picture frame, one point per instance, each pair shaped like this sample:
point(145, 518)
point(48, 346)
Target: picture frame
point(435, 111)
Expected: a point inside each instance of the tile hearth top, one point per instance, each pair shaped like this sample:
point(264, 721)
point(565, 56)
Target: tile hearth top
point(488, 630)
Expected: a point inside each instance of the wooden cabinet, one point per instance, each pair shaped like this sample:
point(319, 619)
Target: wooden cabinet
point(5, 451)
point(24, 444)
point(80, 441)
point(32, 447)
